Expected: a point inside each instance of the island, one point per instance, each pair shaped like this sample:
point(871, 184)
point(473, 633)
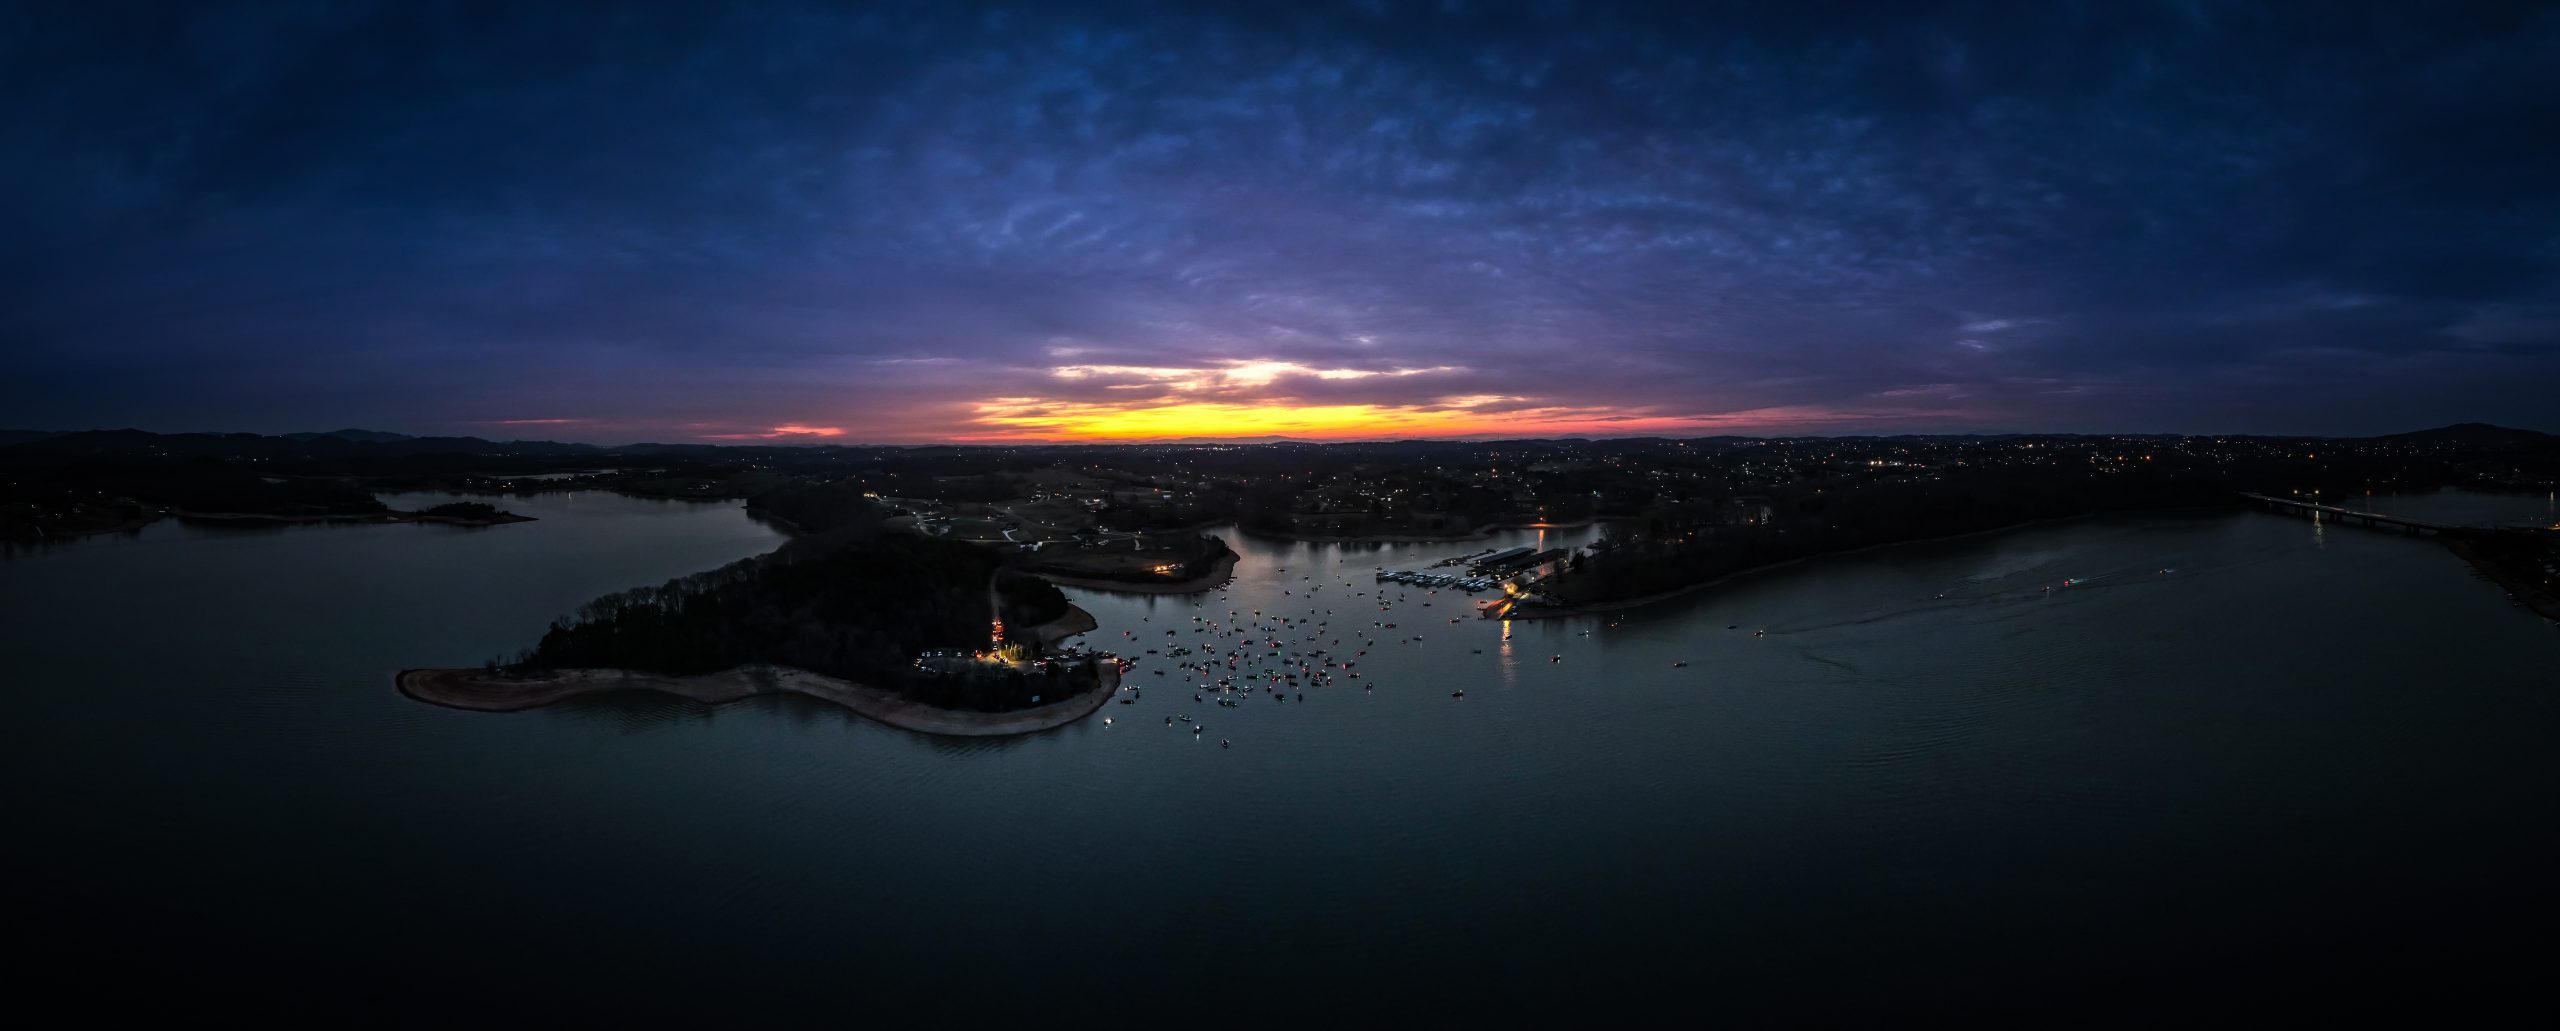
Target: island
point(465, 513)
point(95, 489)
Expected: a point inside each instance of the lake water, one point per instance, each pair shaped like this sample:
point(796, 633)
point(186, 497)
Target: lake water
point(2238, 753)
point(2463, 508)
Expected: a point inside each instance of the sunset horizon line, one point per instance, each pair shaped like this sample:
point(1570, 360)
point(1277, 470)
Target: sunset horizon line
point(841, 439)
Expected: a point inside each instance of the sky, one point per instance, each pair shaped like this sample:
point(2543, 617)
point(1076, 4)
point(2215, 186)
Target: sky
point(1058, 221)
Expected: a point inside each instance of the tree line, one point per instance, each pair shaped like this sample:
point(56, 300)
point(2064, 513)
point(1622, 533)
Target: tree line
point(860, 611)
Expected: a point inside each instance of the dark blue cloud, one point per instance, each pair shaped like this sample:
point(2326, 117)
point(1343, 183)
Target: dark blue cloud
point(695, 218)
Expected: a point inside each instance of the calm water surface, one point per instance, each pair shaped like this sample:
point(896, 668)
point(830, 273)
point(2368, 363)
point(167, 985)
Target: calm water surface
point(2464, 508)
point(2236, 747)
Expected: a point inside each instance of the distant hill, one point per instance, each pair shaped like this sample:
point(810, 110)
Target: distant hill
point(2478, 434)
point(366, 436)
point(130, 444)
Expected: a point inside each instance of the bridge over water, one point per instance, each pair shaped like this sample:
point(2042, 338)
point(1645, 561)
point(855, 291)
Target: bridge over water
point(2375, 520)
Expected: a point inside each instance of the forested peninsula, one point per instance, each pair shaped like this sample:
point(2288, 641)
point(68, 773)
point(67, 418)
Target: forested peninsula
point(937, 635)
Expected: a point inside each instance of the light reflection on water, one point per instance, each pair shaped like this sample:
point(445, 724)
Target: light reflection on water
point(2224, 739)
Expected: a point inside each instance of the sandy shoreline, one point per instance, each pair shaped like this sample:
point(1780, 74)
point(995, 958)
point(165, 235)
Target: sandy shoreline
point(479, 691)
point(1076, 621)
point(1597, 608)
point(1219, 573)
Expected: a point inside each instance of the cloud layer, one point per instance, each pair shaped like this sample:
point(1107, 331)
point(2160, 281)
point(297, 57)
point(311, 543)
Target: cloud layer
point(957, 222)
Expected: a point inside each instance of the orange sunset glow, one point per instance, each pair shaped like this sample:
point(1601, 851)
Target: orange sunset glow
point(1020, 418)
point(783, 432)
point(1249, 398)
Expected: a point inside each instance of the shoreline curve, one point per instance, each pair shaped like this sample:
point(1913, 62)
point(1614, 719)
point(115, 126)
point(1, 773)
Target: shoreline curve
point(1622, 604)
point(477, 690)
point(1219, 573)
point(1484, 532)
point(2519, 589)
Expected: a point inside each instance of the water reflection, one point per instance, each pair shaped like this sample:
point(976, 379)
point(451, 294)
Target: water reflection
point(1906, 783)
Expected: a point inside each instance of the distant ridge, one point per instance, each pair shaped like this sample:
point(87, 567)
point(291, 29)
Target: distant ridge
point(142, 444)
point(365, 436)
point(2476, 433)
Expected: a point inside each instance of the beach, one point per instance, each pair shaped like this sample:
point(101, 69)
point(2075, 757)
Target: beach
point(1075, 621)
point(479, 690)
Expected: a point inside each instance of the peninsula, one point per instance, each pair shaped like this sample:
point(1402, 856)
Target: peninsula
point(516, 689)
point(933, 636)
point(1161, 564)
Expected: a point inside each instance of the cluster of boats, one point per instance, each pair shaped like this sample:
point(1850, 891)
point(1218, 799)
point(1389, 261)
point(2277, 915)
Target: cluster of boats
point(1229, 659)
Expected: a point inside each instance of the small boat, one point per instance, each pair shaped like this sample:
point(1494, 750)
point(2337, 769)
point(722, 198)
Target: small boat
point(1679, 664)
point(1459, 693)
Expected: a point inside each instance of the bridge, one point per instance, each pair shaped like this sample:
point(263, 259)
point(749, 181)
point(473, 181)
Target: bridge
point(2375, 520)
